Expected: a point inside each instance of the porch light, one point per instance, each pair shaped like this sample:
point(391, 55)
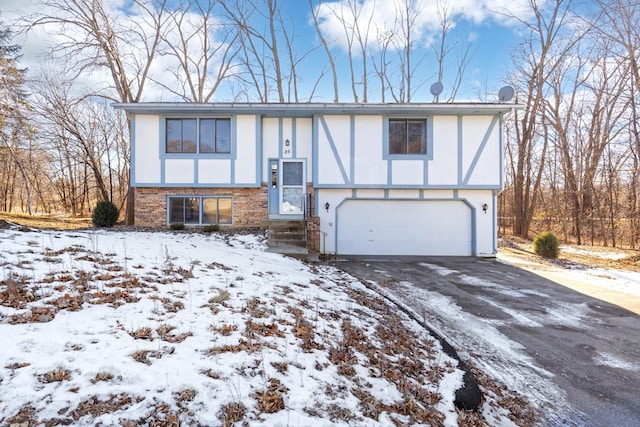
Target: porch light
point(485, 207)
point(326, 206)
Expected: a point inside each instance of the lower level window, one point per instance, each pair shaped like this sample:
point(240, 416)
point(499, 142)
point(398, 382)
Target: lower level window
point(200, 210)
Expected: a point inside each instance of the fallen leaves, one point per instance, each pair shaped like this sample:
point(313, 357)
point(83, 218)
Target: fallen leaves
point(57, 375)
point(270, 400)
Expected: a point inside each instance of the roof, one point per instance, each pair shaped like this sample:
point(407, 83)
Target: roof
point(310, 109)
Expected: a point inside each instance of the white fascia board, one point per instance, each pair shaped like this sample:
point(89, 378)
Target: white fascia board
point(310, 109)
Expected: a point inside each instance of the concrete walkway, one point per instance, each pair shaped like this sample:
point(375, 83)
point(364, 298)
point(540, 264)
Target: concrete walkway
point(574, 357)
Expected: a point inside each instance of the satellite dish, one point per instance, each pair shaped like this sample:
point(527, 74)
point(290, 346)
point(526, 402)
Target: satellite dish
point(505, 94)
point(436, 89)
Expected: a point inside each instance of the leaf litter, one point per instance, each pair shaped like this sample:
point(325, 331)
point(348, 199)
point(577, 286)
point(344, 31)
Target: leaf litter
point(207, 330)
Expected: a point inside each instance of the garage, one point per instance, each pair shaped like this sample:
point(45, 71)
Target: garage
point(404, 227)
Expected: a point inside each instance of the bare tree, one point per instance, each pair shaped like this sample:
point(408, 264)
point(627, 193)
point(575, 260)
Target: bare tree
point(356, 29)
point(259, 45)
point(537, 58)
point(325, 46)
point(407, 13)
point(14, 127)
point(89, 139)
point(204, 61)
point(96, 38)
point(617, 21)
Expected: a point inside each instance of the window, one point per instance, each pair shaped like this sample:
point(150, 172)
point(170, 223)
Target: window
point(200, 210)
point(407, 136)
point(203, 135)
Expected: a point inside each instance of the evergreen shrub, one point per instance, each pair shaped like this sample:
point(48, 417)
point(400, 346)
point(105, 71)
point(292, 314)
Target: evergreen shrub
point(105, 214)
point(546, 245)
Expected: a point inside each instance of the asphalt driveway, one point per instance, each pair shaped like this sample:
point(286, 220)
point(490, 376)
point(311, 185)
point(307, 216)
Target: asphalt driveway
point(576, 358)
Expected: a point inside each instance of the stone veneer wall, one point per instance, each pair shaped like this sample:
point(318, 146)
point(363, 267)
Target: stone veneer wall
point(249, 204)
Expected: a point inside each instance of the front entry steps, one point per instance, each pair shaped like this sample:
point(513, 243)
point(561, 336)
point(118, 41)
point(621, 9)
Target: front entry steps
point(287, 237)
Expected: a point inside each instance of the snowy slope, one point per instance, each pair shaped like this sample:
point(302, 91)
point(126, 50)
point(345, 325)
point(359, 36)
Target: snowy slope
point(130, 328)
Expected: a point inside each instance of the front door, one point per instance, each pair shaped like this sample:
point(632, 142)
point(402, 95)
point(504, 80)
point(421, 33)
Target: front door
point(293, 186)
point(287, 187)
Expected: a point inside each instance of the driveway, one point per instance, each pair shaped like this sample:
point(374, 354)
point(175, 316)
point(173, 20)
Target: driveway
point(574, 357)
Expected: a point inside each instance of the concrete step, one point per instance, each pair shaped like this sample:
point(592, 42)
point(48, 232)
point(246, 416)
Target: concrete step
point(292, 251)
point(293, 243)
point(287, 235)
point(281, 223)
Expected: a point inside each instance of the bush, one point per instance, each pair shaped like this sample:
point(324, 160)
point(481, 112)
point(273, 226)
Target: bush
point(176, 226)
point(546, 245)
point(105, 214)
point(210, 228)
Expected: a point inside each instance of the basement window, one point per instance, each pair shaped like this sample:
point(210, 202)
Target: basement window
point(200, 210)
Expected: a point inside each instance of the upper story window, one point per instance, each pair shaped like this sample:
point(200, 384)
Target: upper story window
point(199, 135)
point(407, 136)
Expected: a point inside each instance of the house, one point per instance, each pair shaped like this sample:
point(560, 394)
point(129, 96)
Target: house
point(365, 179)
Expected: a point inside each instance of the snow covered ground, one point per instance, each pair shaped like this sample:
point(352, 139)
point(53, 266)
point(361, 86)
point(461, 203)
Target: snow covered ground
point(615, 285)
point(139, 328)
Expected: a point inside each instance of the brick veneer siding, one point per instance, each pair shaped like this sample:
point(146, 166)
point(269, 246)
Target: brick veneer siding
point(313, 234)
point(249, 204)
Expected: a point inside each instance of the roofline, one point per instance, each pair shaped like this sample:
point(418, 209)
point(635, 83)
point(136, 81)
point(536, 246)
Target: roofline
point(309, 109)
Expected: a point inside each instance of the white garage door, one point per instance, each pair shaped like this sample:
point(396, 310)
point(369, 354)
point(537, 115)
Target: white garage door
point(406, 227)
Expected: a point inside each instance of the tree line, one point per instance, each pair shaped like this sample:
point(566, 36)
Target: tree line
point(571, 152)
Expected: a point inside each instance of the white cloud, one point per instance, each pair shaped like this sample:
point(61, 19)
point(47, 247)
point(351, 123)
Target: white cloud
point(338, 19)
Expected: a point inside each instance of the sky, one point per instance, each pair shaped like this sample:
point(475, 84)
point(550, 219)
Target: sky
point(483, 22)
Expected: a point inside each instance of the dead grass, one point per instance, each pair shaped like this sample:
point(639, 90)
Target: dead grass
point(231, 413)
point(55, 222)
point(225, 329)
point(102, 376)
point(255, 329)
point(581, 257)
point(243, 345)
point(95, 407)
point(304, 331)
point(144, 333)
point(57, 375)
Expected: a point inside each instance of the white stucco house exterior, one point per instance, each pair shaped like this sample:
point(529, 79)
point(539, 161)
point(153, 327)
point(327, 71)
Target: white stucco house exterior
point(373, 179)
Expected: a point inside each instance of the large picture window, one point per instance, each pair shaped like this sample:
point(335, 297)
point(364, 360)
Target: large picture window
point(198, 135)
point(407, 136)
point(200, 210)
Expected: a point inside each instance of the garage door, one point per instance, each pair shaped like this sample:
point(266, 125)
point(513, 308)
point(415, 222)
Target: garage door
point(406, 227)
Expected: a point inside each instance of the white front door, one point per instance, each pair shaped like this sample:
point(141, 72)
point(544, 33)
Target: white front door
point(292, 186)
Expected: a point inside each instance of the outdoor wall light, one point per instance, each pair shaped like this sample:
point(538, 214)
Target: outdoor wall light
point(485, 207)
point(326, 206)
point(287, 143)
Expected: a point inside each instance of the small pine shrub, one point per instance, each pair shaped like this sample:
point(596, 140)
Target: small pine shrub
point(546, 245)
point(105, 214)
point(177, 226)
point(211, 228)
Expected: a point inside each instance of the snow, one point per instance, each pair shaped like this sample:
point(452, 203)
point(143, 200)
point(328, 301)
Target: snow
point(183, 324)
point(622, 281)
point(608, 254)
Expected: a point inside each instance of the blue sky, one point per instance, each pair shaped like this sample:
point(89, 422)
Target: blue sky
point(494, 38)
